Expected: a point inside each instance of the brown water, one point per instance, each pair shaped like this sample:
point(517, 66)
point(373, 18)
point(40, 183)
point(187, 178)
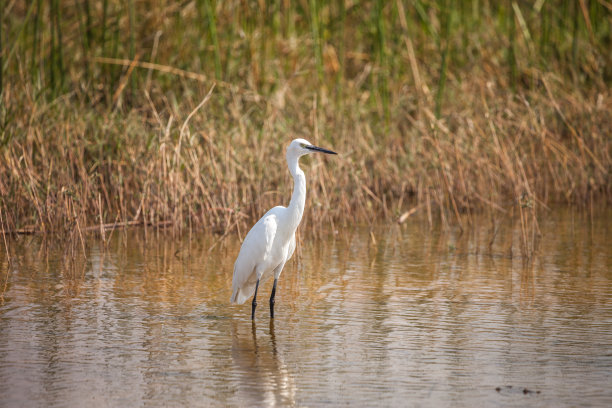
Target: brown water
point(391, 316)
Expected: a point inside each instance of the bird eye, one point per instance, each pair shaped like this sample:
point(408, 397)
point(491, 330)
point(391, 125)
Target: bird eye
point(303, 144)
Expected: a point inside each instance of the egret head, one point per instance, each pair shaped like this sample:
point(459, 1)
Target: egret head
point(300, 147)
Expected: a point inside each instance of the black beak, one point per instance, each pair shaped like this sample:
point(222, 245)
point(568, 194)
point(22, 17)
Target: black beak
point(319, 149)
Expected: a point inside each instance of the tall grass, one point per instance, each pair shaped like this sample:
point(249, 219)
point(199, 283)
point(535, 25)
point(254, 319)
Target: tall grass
point(450, 108)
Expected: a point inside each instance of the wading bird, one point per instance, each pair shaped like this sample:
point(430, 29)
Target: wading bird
point(271, 241)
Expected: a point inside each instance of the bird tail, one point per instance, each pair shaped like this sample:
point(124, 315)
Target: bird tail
point(242, 292)
point(234, 296)
point(240, 295)
point(242, 289)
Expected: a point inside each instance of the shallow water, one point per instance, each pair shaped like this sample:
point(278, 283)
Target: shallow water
point(388, 315)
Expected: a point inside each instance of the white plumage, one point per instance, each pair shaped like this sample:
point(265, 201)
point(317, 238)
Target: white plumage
point(271, 241)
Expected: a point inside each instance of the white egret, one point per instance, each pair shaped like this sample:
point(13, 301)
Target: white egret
point(271, 241)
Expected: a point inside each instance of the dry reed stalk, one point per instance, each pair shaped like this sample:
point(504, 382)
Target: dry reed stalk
point(6, 247)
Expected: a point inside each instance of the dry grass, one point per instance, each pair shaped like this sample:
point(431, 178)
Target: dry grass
point(434, 109)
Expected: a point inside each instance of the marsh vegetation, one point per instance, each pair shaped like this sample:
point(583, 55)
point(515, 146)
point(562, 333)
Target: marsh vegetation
point(448, 108)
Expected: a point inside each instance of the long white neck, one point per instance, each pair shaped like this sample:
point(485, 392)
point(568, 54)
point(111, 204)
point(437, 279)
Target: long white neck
point(298, 198)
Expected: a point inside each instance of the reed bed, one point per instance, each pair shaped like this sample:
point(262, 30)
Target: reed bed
point(177, 114)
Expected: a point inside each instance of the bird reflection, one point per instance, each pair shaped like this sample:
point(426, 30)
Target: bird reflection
point(273, 338)
point(265, 379)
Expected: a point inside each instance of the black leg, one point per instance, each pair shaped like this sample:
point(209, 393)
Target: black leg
point(254, 304)
point(272, 299)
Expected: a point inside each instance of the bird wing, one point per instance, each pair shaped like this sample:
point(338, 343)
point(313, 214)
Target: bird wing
point(270, 224)
point(255, 249)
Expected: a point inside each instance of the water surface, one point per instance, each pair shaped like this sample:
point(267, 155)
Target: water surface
point(384, 315)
